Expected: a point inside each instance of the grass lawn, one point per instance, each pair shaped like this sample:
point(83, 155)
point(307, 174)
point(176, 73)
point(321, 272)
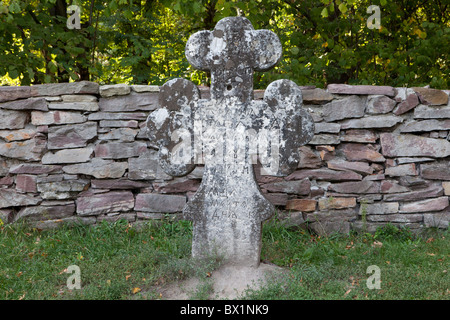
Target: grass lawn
point(120, 261)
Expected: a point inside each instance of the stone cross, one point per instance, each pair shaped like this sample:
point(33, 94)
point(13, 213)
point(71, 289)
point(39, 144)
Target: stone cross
point(229, 133)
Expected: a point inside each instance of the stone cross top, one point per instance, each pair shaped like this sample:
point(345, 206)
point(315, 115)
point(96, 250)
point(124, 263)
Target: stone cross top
point(228, 133)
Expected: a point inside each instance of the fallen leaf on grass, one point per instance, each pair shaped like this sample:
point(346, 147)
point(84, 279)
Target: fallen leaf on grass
point(136, 290)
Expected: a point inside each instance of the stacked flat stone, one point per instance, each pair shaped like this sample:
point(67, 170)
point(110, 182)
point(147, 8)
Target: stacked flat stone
point(75, 152)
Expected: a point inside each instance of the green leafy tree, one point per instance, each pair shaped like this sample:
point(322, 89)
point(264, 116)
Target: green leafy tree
point(324, 41)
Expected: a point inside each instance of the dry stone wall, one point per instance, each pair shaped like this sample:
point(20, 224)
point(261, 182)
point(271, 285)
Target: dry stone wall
point(79, 153)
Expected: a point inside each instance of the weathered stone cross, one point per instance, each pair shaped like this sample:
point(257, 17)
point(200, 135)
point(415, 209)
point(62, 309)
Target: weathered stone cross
point(226, 133)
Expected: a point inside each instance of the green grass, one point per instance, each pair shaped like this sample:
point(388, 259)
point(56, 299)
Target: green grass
point(335, 267)
point(119, 261)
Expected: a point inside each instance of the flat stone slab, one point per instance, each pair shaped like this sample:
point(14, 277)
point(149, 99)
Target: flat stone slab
point(228, 282)
point(408, 145)
point(113, 201)
point(13, 119)
point(26, 104)
point(361, 89)
point(58, 89)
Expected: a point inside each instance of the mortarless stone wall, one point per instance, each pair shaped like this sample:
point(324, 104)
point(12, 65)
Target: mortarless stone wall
point(78, 152)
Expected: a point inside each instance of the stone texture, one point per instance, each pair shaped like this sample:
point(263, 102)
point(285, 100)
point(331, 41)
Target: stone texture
point(393, 145)
point(401, 170)
point(358, 167)
point(277, 199)
point(62, 189)
point(336, 203)
point(435, 171)
point(396, 218)
point(316, 96)
point(361, 89)
point(324, 139)
point(118, 116)
point(82, 106)
point(361, 152)
point(425, 126)
point(68, 156)
point(308, 159)
point(147, 101)
point(379, 208)
point(58, 89)
point(26, 104)
point(372, 122)
point(431, 191)
point(118, 124)
point(120, 89)
point(113, 201)
point(437, 219)
point(299, 187)
point(46, 212)
point(118, 184)
point(446, 186)
point(365, 186)
point(151, 202)
point(14, 93)
point(431, 97)
point(18, 135)
point(39, 118)
point(177, 187)
point(413, 160)
point(380, 104)
point(359, 135)
point(146, 167)
point(413, 182)
point(391, 186)
point(341, 216)
point(28, 150)
point(71, 136)
point(324, 127)
point(26, 183)
point(426, 112)
point(324, 174)
point(120, 150)
point(12, 198)
point(350, 107)
point(34, 168)
point(303, 205)
point(121, 134)
point(144, 88)
point(78, 98)
point(6, 181)
point(428, 205)
point(12, 119)
point(410, 102)
point(98, 168)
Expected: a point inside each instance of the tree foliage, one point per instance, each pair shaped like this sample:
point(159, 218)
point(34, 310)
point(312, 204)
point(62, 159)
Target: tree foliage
point(142, 41)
